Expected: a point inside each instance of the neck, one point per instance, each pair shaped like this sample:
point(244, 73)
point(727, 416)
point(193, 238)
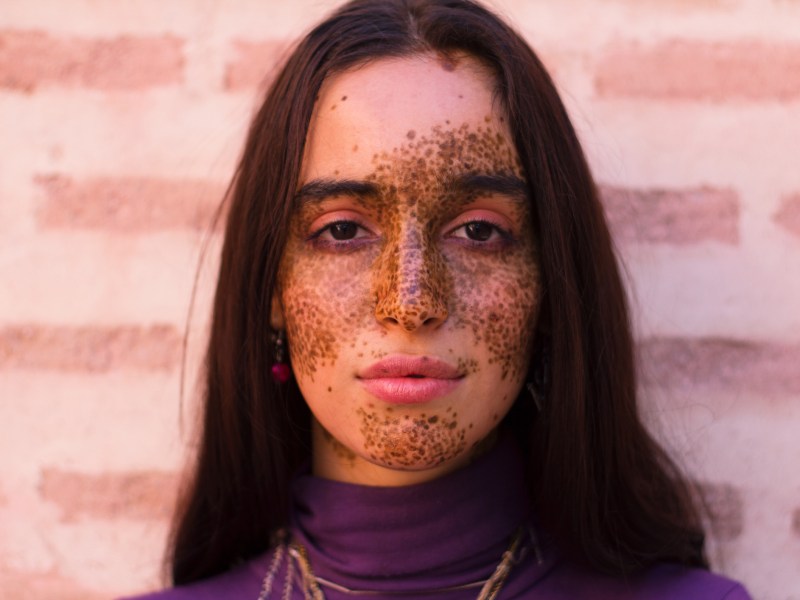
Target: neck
point(449, 531)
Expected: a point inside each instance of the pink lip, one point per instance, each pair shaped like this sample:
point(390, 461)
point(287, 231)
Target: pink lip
point(410, 379)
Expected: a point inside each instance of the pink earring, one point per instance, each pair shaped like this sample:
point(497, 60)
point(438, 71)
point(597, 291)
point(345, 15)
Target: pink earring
point(280, 370)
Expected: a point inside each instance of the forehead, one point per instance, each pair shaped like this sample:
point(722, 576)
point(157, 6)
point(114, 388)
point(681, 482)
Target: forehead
point(372, 110)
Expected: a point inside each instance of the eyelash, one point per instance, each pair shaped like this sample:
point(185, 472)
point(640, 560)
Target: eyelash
point(315, 238)
point(505, 237)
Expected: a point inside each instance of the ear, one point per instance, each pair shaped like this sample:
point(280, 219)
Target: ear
point(276, 314)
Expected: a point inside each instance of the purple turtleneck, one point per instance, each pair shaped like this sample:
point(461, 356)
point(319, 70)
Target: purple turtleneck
point(444, 533)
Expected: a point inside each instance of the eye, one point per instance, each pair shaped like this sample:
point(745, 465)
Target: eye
point(340, 234)
point(479, 231)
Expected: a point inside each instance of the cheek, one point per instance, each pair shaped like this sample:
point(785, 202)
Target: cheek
point(324, 303)
point(499, 302)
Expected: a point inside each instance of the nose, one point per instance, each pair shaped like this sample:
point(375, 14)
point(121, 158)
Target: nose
point(411, 284)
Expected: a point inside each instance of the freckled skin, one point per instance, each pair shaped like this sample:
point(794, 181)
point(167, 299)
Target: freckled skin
point(412, 283)
point(407, 441)
point(414, 277)
point(418, 278)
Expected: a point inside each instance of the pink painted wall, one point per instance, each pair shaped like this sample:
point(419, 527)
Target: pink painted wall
point(120, 124)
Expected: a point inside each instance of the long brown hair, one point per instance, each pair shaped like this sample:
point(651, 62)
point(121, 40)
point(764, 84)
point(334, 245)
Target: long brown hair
point(601, 485)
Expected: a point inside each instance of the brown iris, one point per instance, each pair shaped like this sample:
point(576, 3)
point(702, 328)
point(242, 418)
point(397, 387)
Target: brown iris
point(479, 231)
point(343, 230)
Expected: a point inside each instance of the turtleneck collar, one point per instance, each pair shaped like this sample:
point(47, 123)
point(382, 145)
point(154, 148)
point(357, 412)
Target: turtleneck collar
point(442, 533)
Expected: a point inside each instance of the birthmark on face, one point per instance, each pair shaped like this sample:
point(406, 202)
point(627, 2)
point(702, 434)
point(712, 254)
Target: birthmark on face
point(412, 276)
point(468, 366)
point(422, 441)
point(494, 294)
point(309, 352)
point(448, 62)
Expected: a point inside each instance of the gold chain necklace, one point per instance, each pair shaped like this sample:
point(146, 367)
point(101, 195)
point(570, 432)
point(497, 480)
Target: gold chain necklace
point(312, 584)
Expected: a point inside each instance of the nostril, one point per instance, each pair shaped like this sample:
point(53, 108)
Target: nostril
point(410, 305)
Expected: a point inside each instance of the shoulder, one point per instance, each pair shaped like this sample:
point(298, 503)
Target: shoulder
point(661, 582)
point(242, 581)
point(673, 581)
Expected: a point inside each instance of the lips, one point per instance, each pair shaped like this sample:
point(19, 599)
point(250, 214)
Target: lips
point(410, 379)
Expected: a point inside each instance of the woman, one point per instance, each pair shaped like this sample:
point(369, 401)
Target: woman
point(413, 227)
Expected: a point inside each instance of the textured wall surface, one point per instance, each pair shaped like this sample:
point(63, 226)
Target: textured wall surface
point(120, 125)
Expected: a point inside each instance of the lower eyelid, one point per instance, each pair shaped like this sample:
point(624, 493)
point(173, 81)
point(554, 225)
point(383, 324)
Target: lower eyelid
point(341, 246)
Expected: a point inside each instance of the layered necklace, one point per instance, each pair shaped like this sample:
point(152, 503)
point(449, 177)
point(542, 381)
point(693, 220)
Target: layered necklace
point(313, 584)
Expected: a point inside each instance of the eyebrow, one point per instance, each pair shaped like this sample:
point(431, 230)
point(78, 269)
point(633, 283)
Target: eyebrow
point(506, 184)
point(493, 183)
point(317, 190)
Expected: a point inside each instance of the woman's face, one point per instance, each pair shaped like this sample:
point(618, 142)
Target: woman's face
point(409, 287)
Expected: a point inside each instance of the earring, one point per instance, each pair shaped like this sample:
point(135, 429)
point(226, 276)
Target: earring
point(539, 383)
point(280, 370)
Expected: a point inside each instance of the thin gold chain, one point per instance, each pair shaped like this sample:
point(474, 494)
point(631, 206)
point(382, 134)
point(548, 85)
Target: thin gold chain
point(312, 584)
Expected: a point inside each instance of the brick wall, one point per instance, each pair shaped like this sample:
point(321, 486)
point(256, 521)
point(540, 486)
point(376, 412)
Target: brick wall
point(121, 122)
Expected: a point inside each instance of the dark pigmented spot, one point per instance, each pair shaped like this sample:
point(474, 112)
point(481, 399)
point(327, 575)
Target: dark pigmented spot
point(411, 134)
point(412, 276)
point(409, 441)
point(468, 367)
point(448, 62)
